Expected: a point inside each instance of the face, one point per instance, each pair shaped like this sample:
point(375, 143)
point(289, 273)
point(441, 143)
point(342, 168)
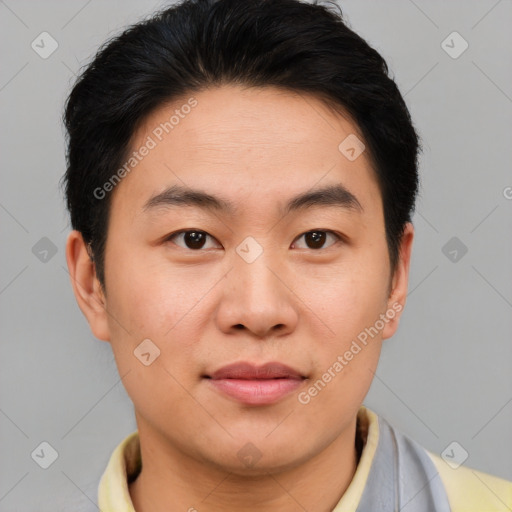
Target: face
point(293, 292)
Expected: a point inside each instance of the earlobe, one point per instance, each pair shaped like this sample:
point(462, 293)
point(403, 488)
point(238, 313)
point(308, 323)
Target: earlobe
point(398, 295)
point(86, 286)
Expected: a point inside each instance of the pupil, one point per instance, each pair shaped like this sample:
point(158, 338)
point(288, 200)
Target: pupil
point(318, 238)
point(194, 239)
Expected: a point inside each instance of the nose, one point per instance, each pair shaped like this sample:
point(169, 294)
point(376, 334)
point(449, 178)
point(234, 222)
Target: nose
point(258, 297)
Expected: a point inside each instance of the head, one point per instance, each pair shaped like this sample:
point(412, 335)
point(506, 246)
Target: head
point(241, 179)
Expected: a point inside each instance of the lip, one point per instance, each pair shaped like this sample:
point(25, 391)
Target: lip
point(256, 385)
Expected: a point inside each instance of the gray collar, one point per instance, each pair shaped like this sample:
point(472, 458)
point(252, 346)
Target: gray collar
point(402, 477)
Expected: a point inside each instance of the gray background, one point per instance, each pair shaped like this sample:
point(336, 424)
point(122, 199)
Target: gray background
point(445, 376)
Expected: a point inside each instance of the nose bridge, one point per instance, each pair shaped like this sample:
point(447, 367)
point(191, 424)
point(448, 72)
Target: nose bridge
point(256, 280)
point(255, 297)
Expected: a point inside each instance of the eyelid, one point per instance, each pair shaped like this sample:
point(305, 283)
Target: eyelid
point(338, 236)
point(168, 238)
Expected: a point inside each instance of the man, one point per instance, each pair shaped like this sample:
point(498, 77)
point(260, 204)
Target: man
point(241, 179)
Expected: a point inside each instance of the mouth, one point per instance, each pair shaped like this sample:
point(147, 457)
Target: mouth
point(256, 385)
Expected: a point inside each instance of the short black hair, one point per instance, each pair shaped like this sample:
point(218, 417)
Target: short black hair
point(196, 44)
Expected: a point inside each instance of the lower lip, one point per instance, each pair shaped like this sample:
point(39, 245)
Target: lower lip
point(257, 392)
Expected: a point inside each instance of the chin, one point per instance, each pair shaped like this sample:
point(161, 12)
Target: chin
point(257, 458)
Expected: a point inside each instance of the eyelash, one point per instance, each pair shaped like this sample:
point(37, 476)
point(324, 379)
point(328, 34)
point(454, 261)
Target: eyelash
point(177, 233)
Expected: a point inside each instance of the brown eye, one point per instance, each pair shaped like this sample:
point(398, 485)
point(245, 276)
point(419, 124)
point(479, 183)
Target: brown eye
point(316, 239)
point(190, 239)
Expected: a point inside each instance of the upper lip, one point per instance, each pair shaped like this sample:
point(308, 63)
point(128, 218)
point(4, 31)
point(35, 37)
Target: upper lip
point(248, 371)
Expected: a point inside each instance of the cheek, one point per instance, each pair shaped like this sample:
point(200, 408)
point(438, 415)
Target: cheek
point(350, 302)
point(335, 397)
point(153, 299)
point(349, 298)
point(147, 302)
point(167, 306)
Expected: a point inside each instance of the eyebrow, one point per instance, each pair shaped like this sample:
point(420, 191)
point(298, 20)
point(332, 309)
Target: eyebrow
point(329, 196)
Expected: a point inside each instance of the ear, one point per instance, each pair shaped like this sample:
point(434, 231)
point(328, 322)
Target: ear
point(86, 286)
point(399, 284)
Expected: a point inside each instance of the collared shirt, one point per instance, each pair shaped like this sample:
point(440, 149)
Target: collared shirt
point(394, 473)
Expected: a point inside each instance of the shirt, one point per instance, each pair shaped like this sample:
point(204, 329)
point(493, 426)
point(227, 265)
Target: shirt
point(394, 473)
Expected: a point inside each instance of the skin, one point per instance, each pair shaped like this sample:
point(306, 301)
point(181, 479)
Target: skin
point(207, 308)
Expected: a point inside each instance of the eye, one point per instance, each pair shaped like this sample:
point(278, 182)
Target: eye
point(315, 239)
point(197, 240)
point(191, 238)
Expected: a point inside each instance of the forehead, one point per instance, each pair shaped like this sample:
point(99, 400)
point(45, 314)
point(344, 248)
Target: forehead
point(256, 146)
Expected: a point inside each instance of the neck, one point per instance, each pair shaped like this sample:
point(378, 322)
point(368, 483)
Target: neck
point(170, 480)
